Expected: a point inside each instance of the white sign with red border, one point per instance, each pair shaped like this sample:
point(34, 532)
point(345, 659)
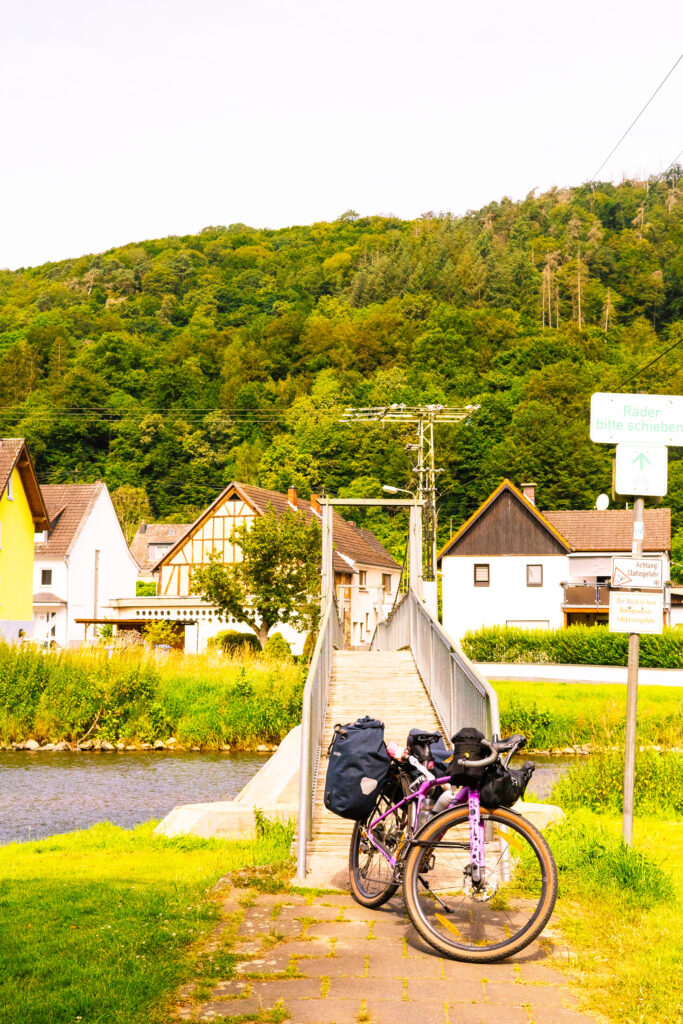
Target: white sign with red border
point(631, 612)
point(644, 573)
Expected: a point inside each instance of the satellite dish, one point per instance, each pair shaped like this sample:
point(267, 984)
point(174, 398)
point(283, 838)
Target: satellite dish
point(602, 502)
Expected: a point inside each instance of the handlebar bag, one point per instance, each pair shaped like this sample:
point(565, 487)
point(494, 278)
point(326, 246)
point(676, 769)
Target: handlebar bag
point(467, 746)
point(502, 787)
point(358, 766)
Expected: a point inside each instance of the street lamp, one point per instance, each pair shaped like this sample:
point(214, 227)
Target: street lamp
point(394, 490)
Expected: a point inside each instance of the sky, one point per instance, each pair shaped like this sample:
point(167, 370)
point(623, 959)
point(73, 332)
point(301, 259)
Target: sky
point(145, 118)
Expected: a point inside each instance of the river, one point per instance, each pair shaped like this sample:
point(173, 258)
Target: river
point(44, 794)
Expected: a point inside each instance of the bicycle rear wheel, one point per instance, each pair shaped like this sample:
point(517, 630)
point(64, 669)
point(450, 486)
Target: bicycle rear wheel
point(372, 877)
point(500, 915)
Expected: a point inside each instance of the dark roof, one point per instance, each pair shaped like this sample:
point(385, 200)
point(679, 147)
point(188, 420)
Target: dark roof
point(502, 488)
point(348, 539)
point(154, 533)
point(68, 506)
point(14, 453)
point(47, 597)
point(612, 530)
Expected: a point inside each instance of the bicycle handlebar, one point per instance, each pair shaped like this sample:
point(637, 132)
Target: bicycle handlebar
point(493, 756)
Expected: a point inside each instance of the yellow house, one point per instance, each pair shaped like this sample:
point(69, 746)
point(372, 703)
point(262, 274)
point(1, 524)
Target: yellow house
point(22, 513)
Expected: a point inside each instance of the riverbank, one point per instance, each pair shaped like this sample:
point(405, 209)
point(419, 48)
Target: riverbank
point(133, 700)
point(563, 716)
point(107, 924)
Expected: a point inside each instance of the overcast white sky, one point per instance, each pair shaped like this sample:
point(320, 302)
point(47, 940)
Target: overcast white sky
point(142, 118)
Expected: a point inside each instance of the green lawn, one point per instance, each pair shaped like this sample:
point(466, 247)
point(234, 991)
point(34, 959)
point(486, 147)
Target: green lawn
point(98, 925)
point(555, 715)
point(630, 955)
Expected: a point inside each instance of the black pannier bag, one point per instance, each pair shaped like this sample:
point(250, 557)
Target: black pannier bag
point(502, 787)
point(467, 746)
point(358, 766)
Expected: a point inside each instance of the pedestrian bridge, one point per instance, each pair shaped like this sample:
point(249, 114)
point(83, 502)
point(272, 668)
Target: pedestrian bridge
point(413, 675)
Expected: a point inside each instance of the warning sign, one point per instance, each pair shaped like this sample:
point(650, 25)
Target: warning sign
point(646, 573)
point(635, 613)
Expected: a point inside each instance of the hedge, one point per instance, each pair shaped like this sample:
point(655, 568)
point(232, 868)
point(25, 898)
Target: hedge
point(576, 645)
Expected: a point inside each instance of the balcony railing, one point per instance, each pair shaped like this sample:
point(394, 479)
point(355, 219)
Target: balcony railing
point(585, 594)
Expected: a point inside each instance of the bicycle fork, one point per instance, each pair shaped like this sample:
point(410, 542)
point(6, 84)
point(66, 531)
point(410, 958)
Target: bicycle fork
point(477, 845)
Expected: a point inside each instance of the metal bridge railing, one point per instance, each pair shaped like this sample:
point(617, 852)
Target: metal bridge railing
point(460, 694)
point(330, 636)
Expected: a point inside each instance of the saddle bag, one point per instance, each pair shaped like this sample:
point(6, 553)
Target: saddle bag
point(467, 746)
point(358, 766)
point(502, 787)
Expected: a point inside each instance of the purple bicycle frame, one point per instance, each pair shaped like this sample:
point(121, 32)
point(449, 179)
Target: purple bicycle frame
point(476, 827)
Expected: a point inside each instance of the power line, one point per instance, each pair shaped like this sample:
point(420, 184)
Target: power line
point(636, 118)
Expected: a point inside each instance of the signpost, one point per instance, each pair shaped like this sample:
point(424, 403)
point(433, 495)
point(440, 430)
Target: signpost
point(642, 470)
point(646, 573)
point(641, 426)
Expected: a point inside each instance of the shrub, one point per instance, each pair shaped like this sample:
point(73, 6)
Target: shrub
point(231, 641)
point(576, 645)
point(277, 647)
point(145, 588)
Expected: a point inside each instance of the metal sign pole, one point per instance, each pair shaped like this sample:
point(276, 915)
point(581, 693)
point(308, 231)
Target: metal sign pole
point(632, 692)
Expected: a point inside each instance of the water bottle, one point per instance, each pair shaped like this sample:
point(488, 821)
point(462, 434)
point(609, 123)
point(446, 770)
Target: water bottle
point(444, 801)
point(426, 811)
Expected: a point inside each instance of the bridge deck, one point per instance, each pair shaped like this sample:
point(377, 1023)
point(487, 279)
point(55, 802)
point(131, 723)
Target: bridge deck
point(384, 685)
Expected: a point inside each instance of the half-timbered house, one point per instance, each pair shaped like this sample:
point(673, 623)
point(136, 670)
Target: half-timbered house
point(366, 575)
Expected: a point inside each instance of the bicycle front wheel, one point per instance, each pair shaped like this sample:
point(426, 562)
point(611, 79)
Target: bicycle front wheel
point(480, 920)
point(371, 874)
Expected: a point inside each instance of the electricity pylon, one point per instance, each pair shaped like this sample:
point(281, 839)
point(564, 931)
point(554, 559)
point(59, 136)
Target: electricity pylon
point(422, 451)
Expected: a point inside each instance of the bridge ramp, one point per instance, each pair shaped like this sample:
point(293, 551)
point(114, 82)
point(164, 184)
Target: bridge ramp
point(384, 685)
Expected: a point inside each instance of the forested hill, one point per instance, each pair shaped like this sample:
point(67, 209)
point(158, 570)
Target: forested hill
point(180, 363)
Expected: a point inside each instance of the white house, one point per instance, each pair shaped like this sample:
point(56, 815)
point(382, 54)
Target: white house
point(80, 563)
point(366, 575)
point(510, 564)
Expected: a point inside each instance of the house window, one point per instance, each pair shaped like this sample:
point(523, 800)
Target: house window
point(46, 577)
point(386, 582)
point(481, 575)
point(534, 575)
point(10, 487)
point(362, 579)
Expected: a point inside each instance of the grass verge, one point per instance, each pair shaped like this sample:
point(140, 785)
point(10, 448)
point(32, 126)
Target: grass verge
point(621, 913)
point(553, 715)
point(100, 926)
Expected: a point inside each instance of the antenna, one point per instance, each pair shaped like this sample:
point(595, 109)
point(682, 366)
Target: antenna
point(422, 449)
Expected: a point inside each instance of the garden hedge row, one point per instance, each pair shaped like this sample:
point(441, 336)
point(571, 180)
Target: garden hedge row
point(576, 645)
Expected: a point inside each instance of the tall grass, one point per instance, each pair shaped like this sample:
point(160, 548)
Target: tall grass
point(597, 783)
point(203, 700)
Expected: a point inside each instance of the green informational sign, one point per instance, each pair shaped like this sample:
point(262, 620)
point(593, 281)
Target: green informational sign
point(638, 419)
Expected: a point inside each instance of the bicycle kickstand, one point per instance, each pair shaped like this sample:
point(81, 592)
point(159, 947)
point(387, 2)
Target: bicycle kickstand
point(432, 893)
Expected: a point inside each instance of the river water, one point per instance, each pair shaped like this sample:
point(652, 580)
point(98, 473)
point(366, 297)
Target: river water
point(44, 794)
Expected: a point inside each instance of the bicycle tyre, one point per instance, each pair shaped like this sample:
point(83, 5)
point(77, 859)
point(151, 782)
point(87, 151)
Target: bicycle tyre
point(517, 913)
point(371, 877)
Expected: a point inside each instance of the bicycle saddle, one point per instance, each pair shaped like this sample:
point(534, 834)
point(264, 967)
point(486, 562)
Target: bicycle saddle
point(420, 742)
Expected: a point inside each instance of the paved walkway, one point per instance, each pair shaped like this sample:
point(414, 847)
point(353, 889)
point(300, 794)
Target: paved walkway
point(329, 961)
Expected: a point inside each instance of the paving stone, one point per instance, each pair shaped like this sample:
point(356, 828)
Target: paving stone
point(286, 988)
point(352, 965)
point(553, 1015)
point(379, 988)
point(509, 994)
point(386, 1012)
point(316, 912)
point(234, 988)
point(354, 929)
point(387, 963)
point(540, 973)
point(465, 990)
point(478, 1013)
point(324, 1011)
point(225, 1010)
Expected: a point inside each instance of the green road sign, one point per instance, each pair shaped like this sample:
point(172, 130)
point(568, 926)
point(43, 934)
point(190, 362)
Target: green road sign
point(639, 419)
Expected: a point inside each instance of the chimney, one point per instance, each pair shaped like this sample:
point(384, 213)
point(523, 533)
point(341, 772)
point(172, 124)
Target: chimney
point(529, 492)
point(292, 497)
point(142, 527)
point(315, 505)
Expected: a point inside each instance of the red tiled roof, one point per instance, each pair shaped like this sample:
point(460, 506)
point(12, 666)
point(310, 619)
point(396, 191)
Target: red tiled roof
point(154, 533)
point(13, 452)
point(348, 539)
point(612, 530)
point(47, 597)
point(68, 506)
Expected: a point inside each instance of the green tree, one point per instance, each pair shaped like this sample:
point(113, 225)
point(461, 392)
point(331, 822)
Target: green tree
point(131, 504)
point(276, 580)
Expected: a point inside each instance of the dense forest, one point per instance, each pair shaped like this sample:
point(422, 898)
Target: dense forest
point(178, 364)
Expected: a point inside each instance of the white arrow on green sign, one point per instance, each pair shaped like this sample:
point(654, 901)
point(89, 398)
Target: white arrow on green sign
point(641, 470)
point(638, 419)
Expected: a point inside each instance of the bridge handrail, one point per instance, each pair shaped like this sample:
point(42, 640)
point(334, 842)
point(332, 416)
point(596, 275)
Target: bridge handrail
point(460, 694)
point(316, 688)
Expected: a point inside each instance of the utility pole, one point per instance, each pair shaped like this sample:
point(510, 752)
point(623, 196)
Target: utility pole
point(632, 691)
point(422, 452)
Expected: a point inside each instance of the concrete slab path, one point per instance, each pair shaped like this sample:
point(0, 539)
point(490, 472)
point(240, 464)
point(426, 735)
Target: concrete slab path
point(322, 959)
